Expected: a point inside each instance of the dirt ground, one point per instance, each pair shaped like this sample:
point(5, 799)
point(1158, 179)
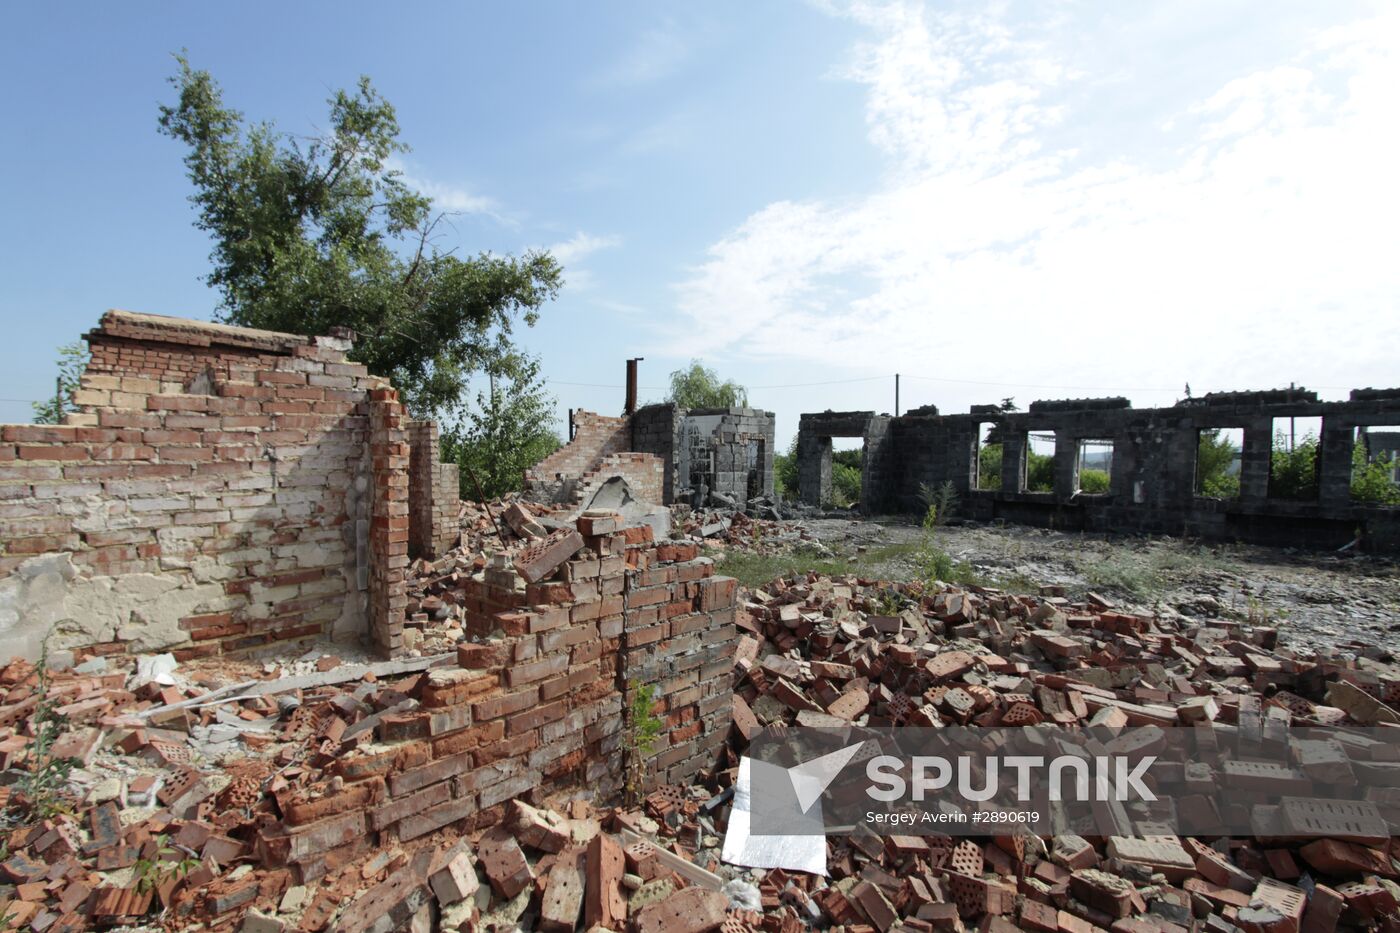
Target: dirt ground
point(1317, 600)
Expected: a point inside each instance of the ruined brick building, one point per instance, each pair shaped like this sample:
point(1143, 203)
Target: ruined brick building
point(218, 490)
point(667, 454)
point(223, 491)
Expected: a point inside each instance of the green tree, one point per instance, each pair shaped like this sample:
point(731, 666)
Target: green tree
point(72, 360)
point(506, 433)
point(699, 387)
point(1293, 473)
point(845, 477)
point(319, 234)
point(1215, 458)
point(1371, 479)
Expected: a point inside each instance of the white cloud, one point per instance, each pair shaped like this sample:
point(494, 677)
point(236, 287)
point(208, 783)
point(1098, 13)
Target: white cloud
point(571, 254)
point(580, 245)
point(446, 197)
point(1246, 241)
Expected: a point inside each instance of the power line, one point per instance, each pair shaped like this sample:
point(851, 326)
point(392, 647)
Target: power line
point(1035, 385)
point(790, 385)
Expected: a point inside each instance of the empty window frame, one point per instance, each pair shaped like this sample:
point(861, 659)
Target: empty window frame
point(1294, 457)
point(1375, 465)
point(1040, 461)
point(1093, 466)
point(1219, 453)
point(987, 457)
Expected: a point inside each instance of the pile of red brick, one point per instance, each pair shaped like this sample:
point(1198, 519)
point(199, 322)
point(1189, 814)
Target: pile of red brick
point(399, 802)
point(848, 651)
point(560, 632)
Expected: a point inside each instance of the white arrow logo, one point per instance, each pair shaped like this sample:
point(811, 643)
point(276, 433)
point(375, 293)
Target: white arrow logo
point(811, 778)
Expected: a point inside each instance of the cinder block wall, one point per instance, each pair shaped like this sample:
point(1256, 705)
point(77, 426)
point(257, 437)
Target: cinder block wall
point(219, 490)
point(1153, 468)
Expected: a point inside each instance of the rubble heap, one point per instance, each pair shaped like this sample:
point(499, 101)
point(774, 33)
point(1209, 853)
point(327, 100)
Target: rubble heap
point(357, 777)
point(831, 652)
point(478, 789)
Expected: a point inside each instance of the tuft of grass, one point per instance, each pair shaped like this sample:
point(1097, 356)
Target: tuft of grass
point(1122, 575)
point(755, 570)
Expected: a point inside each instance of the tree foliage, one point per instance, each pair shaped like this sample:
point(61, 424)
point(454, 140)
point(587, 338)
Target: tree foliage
point(1215, 458)
point(785, 481)
point(1040, 472)
point(697, 386)
point(989, 466)
point(1293, 472)
point(312, 235)
point(845, 477)
point(505, 433)
point(72, 360)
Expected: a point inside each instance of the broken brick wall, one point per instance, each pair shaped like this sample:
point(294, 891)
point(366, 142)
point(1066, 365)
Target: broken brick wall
point(1153, 483)
point(389, 522)
point(727, 451)
point(535, 702)
point(433, 493)
point(644, 474)
point(554, 478)
point(212, 494)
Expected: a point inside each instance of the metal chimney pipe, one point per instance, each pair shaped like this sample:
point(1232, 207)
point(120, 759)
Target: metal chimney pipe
point(631, 404)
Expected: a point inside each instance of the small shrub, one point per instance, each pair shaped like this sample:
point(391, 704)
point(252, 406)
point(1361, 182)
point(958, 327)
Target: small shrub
point(940, 502)
point(640, 730)
point(167, 865)
point(43, 784)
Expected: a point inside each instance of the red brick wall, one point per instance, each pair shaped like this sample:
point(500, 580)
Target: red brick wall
point(433, 494)
point(161, 519)
point(645, 475)
point(536, 700)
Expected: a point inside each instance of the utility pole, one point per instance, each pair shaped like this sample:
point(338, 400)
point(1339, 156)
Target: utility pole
point(1290, 420)
point(58, 399)
point(896, 395)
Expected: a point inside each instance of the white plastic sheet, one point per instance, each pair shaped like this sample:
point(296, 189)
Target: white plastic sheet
point(804, 851)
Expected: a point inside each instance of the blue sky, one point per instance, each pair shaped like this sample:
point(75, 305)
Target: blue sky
point(1039, 200)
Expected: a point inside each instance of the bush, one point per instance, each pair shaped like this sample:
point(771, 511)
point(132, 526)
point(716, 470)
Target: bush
point(1093, 481)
